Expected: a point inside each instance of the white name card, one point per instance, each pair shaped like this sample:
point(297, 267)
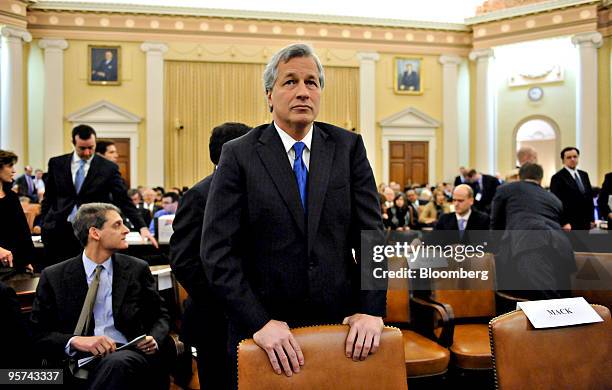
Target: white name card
point(552, 313)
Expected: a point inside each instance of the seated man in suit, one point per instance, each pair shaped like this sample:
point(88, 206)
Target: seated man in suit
point(464, 218)
point(70, 319)
point(170, 201)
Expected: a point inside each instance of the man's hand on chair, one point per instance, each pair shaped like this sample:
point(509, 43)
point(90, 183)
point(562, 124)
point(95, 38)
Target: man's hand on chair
point(283, 350)
point(364, 336)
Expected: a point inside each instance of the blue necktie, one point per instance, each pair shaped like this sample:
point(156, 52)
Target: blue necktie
point(461, 227)
point(579, 183)
point(79, 178)
point(301, 173)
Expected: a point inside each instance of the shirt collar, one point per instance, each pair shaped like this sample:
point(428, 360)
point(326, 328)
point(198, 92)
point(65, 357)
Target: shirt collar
point(466, 216)
point(288, 141)
point(76, 158)
point(90, 265)
point(572, 172)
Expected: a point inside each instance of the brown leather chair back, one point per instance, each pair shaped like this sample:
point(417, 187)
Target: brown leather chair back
point(326, 366)
point(593, 280)
point(572, 357)
point(469, 297)
point(398, 294)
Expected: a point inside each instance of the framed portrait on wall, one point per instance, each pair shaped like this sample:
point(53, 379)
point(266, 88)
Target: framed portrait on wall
point(408, 72)
point(104, 65)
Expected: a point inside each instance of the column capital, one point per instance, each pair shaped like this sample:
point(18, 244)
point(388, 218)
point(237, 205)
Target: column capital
point(593, 38)
point(53, 43)
point(368, 56)
point(14, 32)
point(481, 54)
point(449, 60)
point(154, 47)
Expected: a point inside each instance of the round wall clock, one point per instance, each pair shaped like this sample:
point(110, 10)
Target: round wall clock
point(535, 94)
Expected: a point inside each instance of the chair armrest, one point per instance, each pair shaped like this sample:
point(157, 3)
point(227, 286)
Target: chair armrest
point(505, 302)
point(509, 297)
point(442, 315)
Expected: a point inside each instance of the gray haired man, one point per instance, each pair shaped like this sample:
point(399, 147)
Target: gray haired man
point(286, 208)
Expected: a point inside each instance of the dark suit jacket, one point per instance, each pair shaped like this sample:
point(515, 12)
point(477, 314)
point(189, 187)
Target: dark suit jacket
point(604, 195)
point(16, 341)
point(103, 183)
point(24, 190)
point(137, 307)
point(577, 207)
point(489, 185)
point(477, 221)
point(458, 181)
point(529, 217)
point(264, 256)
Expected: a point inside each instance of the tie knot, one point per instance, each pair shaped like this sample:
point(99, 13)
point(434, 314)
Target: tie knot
point(82, 163)
point(299, 148)
point(99, 269)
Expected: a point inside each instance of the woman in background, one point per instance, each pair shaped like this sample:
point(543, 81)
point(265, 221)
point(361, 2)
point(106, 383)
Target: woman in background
point(434, 209)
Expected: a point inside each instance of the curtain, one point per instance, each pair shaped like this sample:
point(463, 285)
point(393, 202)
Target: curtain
point(202, 95)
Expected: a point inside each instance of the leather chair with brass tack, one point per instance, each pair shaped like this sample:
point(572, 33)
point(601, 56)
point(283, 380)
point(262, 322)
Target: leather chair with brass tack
point(326, 366)
point(570, 357)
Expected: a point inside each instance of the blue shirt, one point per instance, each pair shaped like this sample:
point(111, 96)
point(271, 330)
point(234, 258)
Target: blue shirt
point(158, 213)
point(103, 306)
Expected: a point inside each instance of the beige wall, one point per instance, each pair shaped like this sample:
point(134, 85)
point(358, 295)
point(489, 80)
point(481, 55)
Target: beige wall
point(389, 103)
point(130, 95)
point(604, 118)
point(558, 105)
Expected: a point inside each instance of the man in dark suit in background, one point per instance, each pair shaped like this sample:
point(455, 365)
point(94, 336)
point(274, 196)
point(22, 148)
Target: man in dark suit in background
point(204, 314)
point(535, 256)
point(26, 186)
point(120, 304)
point(461, 178)
point(287, 206)
point(605, 199)
point(74, 179)
point(573, 187)
point(464, 219)
point(484, 187)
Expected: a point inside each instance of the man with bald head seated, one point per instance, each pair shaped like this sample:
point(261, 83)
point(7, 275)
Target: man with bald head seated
point(465, 217)
point(204, 314)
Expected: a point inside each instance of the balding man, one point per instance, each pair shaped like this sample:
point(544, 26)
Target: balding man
point(525, 154)
point(465, 217)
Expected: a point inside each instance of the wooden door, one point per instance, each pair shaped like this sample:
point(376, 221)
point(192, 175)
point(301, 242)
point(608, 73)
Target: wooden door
point(123, 149)
point(408, 162)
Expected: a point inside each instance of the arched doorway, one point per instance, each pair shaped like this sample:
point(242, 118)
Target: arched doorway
point(542, 134)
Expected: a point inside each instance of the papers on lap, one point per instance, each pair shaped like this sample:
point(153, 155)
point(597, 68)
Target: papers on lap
point(132, 343)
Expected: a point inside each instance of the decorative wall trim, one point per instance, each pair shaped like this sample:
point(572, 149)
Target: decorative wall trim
point(507, 13)
point(242, 14)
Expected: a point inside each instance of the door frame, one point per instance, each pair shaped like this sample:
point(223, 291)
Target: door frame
point(412, 134)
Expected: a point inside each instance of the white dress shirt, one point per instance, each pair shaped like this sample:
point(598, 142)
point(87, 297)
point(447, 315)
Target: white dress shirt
point(76, 162)
point(288, 142)
point(464, 217)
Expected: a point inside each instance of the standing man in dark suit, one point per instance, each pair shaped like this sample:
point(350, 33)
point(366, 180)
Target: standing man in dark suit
point(26, 186)
point(605, 199)
point(573, 187)
point(204, 314)
point(484, 187)
point(461, 178)
point(74, 179)
point(287, 206)
point(465, 218)
point(98, 300)
point(535, 256)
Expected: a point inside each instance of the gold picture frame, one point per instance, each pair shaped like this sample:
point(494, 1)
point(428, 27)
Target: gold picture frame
point(408, 75)
point(104, 65)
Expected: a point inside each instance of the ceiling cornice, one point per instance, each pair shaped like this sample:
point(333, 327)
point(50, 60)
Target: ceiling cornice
point(526, 10)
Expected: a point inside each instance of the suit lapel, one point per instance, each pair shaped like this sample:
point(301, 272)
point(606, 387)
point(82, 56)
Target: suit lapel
point(94, 167)
point(66, 172)
point(321, 157)
point(120, 282)
point(76, 281)
point(274, 157)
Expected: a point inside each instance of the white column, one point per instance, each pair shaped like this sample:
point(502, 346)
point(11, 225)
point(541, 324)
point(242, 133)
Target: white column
point(450, 116)
point(155, 112)
point(12, 91)
point(485, 152)
point(53, 115)
point(367, 105)
point(586, 101)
